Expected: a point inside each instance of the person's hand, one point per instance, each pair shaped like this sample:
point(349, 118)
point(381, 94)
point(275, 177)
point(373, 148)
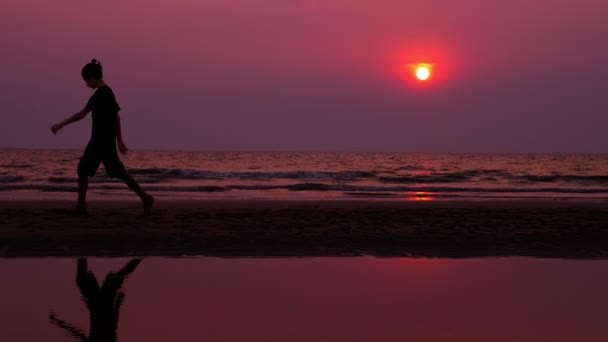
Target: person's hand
point(122, 147)
point(55, 128)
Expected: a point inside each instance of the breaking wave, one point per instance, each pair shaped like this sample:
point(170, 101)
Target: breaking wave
point(307, 187)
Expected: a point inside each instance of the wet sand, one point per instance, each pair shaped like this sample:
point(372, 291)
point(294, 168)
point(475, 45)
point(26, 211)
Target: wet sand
point(269, 228)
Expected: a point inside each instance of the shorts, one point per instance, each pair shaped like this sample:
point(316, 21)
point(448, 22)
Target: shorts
point(97, 154)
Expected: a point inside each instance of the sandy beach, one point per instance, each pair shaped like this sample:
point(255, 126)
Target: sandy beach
point(267, 228)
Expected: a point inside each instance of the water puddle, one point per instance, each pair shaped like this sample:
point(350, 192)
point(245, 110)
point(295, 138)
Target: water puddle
point(303, 299)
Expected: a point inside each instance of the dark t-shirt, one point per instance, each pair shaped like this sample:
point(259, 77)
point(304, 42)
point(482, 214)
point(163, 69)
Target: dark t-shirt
point(104, 110)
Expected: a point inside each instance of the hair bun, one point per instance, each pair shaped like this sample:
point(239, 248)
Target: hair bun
point(94, 61)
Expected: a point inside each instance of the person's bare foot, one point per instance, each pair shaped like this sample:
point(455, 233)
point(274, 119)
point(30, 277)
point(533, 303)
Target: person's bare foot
point(148, 202)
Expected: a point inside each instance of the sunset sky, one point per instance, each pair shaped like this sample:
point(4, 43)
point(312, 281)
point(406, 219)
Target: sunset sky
point(507, 75)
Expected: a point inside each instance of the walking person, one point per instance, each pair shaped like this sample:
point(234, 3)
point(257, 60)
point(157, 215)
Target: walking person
point(105, 135)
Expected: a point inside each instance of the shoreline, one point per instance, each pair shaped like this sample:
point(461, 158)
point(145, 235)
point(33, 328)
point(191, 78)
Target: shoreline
point(576, 229)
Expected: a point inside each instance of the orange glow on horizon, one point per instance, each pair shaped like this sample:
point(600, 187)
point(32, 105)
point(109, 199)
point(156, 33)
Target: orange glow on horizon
point(421, 196)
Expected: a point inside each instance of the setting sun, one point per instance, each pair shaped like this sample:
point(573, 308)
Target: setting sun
point(422, 71)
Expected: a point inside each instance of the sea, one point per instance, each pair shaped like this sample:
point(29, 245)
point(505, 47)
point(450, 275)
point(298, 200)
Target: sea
point(314, 175)
point(302, 299)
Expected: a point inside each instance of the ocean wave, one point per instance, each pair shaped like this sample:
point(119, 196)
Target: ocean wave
point(308, 187)
point(16, 166)
point(562, 178)
point(401, 175)
point(101, 179)
point(412, 168)
point(346, 187)
point(452, 177)
point(202, 174)
point(472, 176)
point(74, 188)
point(11, 179)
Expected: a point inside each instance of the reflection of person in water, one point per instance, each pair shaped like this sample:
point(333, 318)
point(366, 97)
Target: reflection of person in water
point(102, 302)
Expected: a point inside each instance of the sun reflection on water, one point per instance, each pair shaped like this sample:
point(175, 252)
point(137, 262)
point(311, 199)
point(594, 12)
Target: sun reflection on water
point(420, 196)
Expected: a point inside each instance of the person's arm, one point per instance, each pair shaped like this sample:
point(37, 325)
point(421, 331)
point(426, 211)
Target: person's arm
point(121, 144)
point(129, 267)
point(78, 116)
point(70, 328)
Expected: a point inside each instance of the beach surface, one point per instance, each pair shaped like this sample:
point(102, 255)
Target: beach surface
point(273, 228)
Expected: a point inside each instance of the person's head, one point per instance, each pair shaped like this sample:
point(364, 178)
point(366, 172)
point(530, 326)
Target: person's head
point(92, 74)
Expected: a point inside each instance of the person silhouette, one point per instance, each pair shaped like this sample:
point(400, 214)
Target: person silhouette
point(103, 303)
point(105, 134)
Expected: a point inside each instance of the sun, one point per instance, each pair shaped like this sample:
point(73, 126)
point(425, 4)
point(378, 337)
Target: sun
point(422, 71)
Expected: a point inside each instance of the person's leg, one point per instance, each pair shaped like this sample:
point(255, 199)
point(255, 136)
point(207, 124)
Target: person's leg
point(132, 184)
point(86, 282)
point(83, 185)
point(86, 167)
point(115, 168)
point(146, 199)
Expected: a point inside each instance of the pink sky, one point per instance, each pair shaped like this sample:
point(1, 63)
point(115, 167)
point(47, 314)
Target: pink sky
point(512, 76)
